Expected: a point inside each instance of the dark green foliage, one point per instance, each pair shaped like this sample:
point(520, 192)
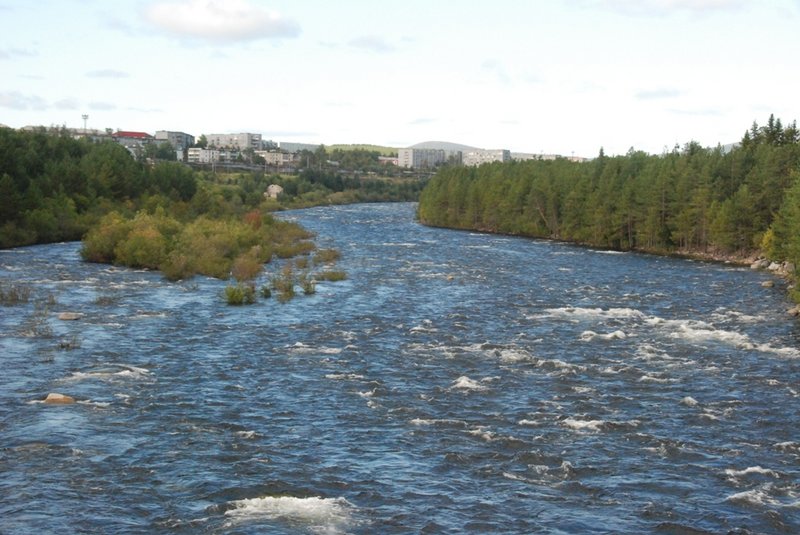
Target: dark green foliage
point(240, 294)
point(54, 187)
point(689, 200)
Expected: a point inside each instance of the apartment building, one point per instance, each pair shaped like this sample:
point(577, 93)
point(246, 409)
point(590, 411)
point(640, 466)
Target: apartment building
point(131, 139)
point(197, 155)
point(421, 158)
point(481, 156)
point(179, 140)
point(273, 157)
point(235, 141)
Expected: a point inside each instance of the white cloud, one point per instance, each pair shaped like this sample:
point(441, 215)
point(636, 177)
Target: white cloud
point(662, 7)
point(653, 94)
point(219, 20)
point(12, 53)
point(372, 43)
point(17, 101)
point(496, 68)
point(144, 110)
point(107, 73)
point(66, 104)
point(102, 106)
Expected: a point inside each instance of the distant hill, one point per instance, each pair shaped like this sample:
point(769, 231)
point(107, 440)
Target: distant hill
point(385, 151)
point(442, 145)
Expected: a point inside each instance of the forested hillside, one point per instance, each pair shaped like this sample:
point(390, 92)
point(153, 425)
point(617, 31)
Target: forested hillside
point(55, 188)
point(690, 200)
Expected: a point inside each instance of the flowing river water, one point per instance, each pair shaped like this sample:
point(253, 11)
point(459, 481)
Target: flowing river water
point(454, 383)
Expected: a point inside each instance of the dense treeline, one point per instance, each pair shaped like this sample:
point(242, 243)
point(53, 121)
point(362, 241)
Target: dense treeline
point(354, 159)
point(692, 200)
point(53, 187)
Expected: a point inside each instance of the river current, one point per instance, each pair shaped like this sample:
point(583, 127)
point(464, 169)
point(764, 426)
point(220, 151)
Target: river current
point(454, 383)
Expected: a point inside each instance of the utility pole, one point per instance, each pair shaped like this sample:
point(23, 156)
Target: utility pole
point(85, 117)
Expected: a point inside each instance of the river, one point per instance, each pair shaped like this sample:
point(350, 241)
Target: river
point(454, 383)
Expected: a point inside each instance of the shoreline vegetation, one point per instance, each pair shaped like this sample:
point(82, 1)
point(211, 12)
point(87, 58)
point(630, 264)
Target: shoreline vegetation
point(164, 215)
point(738, 205)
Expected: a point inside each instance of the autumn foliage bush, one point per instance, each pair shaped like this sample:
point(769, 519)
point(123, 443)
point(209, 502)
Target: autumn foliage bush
point(220, 248)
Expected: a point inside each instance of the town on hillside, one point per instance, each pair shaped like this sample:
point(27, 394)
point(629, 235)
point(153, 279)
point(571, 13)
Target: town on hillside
point(250, 149)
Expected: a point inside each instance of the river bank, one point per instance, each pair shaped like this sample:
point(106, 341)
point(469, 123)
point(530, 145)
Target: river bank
point(752, 259)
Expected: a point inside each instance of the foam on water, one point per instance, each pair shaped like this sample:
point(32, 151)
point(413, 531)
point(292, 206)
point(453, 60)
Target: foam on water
point(516, 355)
point(344, 377)
point(650, 378)
point(584, 425)
point(582, 314)
point(438, 422)
point(688, 330)
point(751, 470)
point(588, 336)
point(332, 515)
point(128, 372)
point(767, 495)
point(689, 401)
point(465, 383)
point(301, 348)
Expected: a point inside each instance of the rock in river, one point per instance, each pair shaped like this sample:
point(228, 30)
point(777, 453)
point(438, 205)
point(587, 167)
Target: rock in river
point(59, 399)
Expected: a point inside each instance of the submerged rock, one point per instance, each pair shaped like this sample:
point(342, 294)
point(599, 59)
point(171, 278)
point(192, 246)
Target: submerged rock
point(59, 399)
point(70, 316)
point(768, 284)
point(794, 311)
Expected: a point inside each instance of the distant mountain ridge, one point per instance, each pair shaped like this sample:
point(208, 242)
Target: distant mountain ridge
point(442, 145)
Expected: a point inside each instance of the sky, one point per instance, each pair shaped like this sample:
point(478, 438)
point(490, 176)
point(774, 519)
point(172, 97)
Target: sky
point(540, 76)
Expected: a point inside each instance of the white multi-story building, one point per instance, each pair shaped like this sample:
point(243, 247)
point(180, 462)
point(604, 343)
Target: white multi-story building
point(274, 157)
point(421, 158)
point(481, 156)
point(197, 155)
point(179, 140)
point(235, 141)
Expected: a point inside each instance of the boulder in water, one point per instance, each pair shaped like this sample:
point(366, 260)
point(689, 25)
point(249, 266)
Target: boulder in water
point(70, 316)
point(59, 399)
point(768, 284)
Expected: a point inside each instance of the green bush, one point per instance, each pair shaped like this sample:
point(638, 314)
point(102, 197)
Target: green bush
point(308, 285)
point(102, 240)
point(240, 294)
point(14, 294)
point(144, 247)
point(284, 284)
point(331, 275)
point(289, 250)
point(178, 266)
point(248, 265)
point(326, 256)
